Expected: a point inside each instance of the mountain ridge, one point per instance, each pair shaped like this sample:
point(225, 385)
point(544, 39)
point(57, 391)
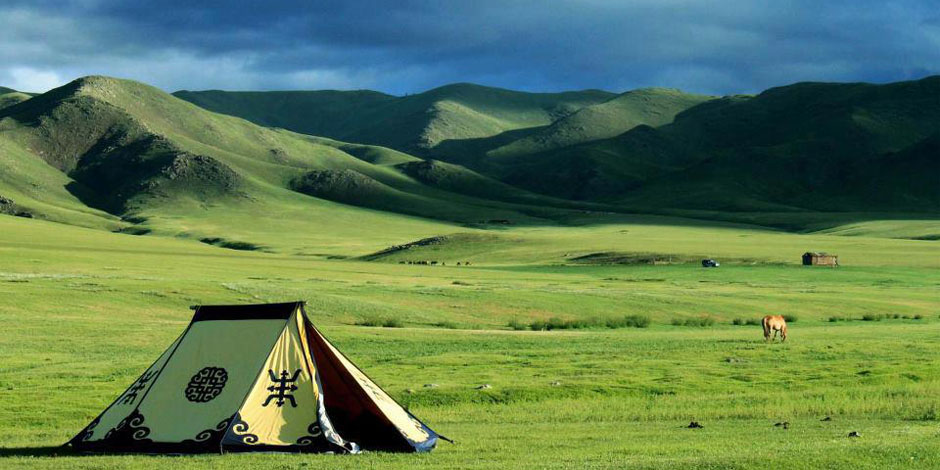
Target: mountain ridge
point(120, 154)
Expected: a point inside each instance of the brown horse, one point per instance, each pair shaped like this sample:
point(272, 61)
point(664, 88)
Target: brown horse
point(775, 324)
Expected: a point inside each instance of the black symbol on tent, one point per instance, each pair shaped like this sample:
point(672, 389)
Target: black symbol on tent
point(280, 390)
point(206, 384)
point(138, 386)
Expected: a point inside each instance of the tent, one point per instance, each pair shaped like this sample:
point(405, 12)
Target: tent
point(253, 378)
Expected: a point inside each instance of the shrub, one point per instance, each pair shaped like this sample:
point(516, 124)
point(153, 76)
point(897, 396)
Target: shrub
point(517, 325)
point(580, 324)
point(896, 315)
point(384, 322)
point(918, 317)
point(790, 318)
point(737, 321)
point(629, 321)
point(556, 323)
point(752, 322)
point(369, 322)
point(835, 319)
point(872, 317)
point(699, 322)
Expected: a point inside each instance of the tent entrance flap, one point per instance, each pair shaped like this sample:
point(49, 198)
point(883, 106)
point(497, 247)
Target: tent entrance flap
point(360, 410)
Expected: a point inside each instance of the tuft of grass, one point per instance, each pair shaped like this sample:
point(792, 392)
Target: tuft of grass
point(790, 318)
point(446, 324)
point(517, 325)
point(872, 317)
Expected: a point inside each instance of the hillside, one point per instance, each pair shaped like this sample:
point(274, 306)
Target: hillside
point(796, 148)
point(9, 97)
point(649, 106)
point(817, 146)
point(808, 146)
point(327, 113)
point(119, 154)
point(414, 123)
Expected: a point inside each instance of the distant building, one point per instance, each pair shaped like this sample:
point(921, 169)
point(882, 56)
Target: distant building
point(814, 258)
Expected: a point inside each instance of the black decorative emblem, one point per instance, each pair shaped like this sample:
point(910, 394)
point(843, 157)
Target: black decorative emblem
point(129, 430)
point(206, 384)
point(282, 388)
point(211, 435)
point(137, 387)
point(315, 434)
point(86, 433)
point(239, 433)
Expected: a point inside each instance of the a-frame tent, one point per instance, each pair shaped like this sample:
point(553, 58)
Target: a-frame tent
point(253, 378)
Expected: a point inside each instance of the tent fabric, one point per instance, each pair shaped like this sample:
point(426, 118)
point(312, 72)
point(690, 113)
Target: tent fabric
point(361, 410)
point(253, 378)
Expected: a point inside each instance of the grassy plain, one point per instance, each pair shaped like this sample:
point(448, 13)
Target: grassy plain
point(84, 311)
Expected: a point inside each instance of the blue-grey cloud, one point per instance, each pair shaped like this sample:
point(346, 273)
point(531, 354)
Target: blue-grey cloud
point(720, 47)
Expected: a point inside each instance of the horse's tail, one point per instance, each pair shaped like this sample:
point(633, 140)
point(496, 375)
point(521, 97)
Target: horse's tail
point(765, 322)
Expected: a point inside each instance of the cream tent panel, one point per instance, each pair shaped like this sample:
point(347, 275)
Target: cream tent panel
point(207, 378)
point(128, 401)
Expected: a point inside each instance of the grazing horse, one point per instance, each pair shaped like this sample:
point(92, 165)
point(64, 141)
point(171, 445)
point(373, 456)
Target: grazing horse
point(775, 323)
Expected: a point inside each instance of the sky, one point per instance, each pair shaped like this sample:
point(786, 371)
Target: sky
point(408, 46)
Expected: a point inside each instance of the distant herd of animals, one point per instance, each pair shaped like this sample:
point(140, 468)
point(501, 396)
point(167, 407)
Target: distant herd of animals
point(433, 263)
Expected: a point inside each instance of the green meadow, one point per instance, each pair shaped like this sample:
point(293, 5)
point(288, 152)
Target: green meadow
point(84, 311)
point(521, 270)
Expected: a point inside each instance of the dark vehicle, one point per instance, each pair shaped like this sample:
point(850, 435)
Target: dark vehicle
point(710, 263)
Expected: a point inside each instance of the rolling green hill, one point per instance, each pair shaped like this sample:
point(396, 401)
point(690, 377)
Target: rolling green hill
point(809, 146)
point(817, 146)
point(797, 148)
point(9, 97)
point(120, 154)
point(327, 113)
point(649, 106)
point(414, 123)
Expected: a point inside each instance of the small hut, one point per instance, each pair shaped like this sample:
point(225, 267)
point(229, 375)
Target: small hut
point(815, 258)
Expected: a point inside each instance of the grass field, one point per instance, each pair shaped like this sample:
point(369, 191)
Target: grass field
point(84, 311)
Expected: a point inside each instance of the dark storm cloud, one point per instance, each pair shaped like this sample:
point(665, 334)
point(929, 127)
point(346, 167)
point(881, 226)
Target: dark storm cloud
point(718, 47)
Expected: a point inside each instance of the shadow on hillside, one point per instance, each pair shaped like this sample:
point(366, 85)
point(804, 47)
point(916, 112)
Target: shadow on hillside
point(471, 152)
point(46, 451)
